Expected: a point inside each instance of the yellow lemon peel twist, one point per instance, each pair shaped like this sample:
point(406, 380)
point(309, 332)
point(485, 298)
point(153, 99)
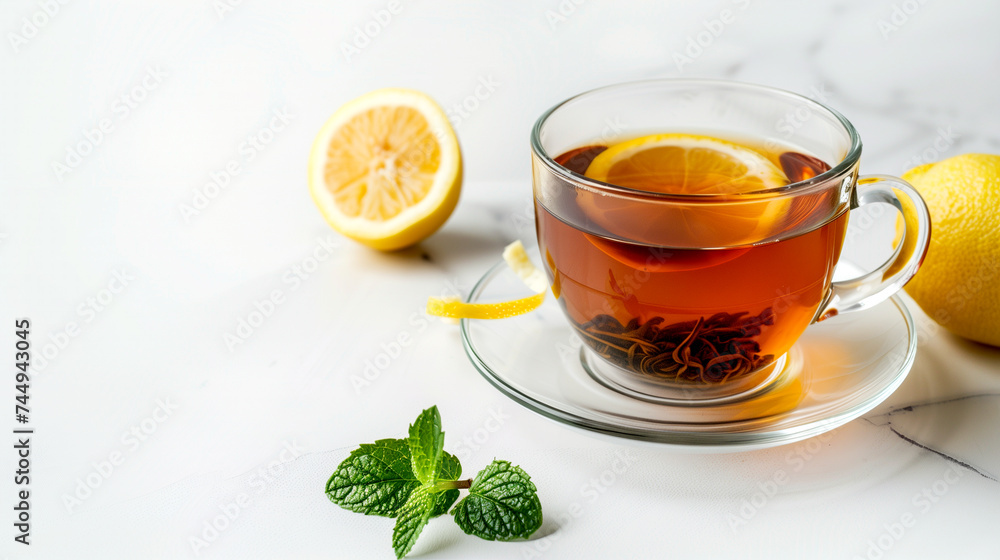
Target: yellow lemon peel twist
point(517, 259)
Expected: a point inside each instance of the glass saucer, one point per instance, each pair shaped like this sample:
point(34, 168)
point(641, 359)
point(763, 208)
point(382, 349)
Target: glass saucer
point(839, 369)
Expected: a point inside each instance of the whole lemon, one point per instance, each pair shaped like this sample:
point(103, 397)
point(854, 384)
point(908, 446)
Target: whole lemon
point(959, 283)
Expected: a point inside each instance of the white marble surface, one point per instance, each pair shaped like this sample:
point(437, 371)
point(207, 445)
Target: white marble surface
point(264, 423)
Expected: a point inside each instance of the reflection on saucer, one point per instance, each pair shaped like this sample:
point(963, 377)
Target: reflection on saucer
point(840, 369)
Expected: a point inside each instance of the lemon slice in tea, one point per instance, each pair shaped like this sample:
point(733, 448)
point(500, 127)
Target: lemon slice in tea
point(687, 165)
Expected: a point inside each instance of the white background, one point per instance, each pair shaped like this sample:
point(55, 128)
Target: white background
point(918, 79)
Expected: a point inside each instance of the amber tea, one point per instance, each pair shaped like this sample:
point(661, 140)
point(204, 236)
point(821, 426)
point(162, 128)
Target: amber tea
point(684, 293)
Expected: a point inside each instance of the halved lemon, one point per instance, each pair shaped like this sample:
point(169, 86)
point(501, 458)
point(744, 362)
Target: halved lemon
point(386, 168)
point(686, 164)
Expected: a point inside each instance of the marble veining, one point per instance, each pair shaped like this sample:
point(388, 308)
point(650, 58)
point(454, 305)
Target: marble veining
point(894, 420)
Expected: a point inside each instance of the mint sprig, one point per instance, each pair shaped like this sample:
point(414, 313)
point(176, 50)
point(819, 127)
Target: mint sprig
point(414, 480)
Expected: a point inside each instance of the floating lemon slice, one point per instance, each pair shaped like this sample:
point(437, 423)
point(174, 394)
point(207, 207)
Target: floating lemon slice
point(519, 262)
point(687, 164)
point(386, 169)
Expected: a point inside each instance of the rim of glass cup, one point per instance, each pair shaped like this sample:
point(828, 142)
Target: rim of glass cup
point(845, 164)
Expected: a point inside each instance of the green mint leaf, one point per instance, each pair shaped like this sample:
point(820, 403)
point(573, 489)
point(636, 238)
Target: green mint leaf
point(412, 517)
point(376, 479)
point(426, 445)
point(501, 505)
point(443, 501)
point(448, 469)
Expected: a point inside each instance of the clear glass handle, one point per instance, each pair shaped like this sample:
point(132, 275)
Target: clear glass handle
point(878, 285)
